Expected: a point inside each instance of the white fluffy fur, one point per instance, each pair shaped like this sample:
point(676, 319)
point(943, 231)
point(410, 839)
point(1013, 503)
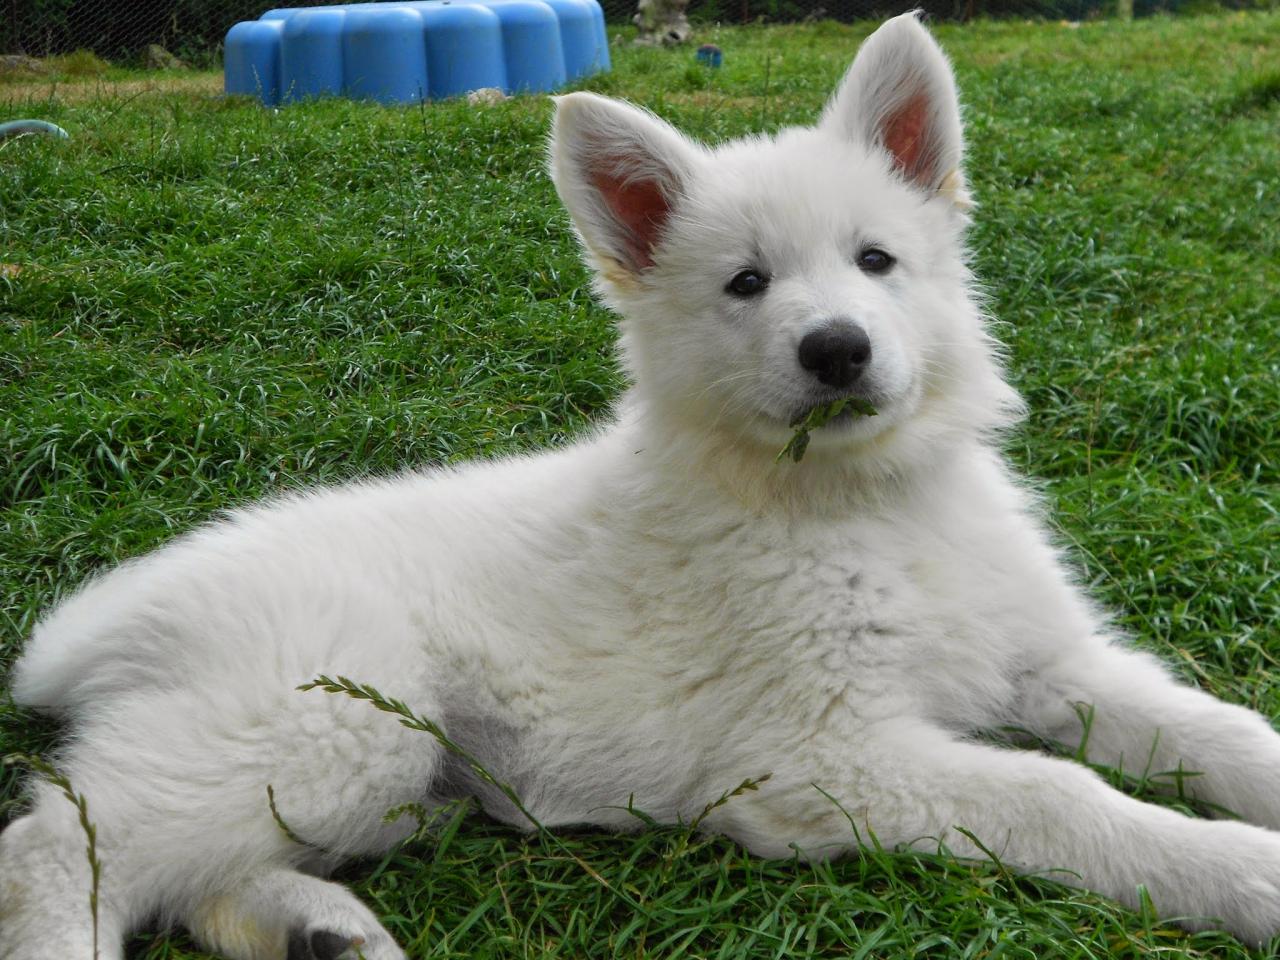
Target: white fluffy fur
point(659, 610)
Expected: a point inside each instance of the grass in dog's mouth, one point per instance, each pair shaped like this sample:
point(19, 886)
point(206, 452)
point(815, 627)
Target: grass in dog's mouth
point(820, 416)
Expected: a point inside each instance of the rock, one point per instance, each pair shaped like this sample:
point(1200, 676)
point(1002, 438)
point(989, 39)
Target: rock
point(157, 57)
point(662, 22)
point(485, 95)
point(11, 63)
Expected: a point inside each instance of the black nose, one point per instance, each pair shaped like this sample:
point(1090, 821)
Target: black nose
point(837, 354)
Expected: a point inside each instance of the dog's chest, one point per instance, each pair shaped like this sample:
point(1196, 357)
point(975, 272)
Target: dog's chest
point(656, 645)
point(833, 624)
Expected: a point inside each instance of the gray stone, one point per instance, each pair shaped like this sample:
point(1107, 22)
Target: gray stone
point(20, 63)
point(157, 57)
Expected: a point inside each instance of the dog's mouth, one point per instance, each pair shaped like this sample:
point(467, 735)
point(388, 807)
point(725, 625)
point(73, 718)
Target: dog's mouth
point(834, 412)
point(822, 415)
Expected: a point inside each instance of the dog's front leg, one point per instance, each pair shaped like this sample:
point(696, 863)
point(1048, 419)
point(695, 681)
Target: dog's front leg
point(909, 783)
point(1129, 713)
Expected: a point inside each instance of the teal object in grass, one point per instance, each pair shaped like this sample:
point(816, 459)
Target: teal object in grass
point(17, 128)
point(406, 52)
point(710, 54)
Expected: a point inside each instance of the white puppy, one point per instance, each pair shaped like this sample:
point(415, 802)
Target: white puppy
point(659, 610)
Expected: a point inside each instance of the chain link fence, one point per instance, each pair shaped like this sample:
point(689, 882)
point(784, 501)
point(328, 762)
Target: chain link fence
point(122, 30)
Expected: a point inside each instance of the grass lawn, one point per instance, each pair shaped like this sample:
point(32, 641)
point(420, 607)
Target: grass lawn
point(203, 301)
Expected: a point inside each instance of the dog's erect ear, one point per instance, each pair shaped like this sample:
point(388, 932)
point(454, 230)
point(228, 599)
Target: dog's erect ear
point(620, 171)
point(900, 95)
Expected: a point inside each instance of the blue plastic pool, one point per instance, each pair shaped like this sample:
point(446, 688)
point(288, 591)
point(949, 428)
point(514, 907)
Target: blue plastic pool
point(404, 52)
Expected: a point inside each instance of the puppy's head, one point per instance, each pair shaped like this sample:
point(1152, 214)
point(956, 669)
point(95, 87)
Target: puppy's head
point(768, 276)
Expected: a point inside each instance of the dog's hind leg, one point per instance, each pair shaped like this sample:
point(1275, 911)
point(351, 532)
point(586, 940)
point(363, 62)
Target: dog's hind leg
point(177, 788)
point(45, 888)
point(281, 913)
point(277, 914)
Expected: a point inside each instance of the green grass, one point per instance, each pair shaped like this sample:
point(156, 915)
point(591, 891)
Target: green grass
point(217, 300)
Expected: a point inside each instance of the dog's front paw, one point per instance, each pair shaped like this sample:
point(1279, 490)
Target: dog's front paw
point(1231, 880)
point(286, 915)
point(321, 943)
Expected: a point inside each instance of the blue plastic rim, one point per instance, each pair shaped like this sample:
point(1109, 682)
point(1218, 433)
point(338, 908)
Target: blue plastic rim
point(405, 52)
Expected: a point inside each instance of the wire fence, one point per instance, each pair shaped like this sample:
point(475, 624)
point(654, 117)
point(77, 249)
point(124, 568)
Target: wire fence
point(122, 30)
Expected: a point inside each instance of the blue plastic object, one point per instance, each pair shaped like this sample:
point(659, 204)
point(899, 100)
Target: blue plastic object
point(710, 54)
point(251, 58)
point(311, 54)
point(404, 52)
point(18, 128)
point(383, 55)
point(464, 49)
point(532, 45)
point(581, 36)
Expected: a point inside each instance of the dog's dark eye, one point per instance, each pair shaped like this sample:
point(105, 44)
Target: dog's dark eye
point(748, 283)
point(874, 260)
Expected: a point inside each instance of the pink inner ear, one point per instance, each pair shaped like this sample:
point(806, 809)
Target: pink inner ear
point(642, 211)
point(904, 136)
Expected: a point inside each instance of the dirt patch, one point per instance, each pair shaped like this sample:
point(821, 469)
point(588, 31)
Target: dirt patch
point(77, 91)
